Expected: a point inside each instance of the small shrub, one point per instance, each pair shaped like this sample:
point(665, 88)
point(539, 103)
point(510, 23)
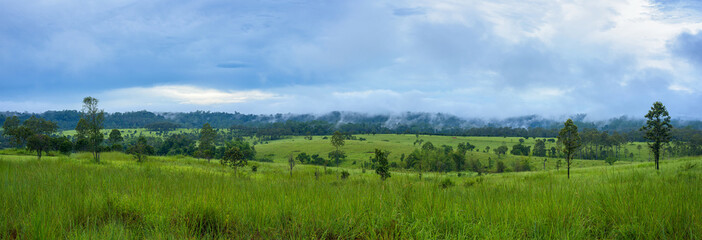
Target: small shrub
point(345, 174)
point(254, 168)
point(500, 167)
point(446, 183)
point(610, 160)
point(473, 181)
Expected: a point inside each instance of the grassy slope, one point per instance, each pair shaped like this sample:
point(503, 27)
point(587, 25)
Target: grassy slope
point(360, 151)
point(61, 197)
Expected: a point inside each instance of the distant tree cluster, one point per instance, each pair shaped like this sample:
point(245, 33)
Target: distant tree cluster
point(40, 135)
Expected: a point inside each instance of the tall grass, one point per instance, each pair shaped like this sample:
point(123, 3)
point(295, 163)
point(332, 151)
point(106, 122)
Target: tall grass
point(185, 198)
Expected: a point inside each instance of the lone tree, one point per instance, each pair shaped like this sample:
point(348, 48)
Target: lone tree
point(337, 140)
point(657, 129)
point(501, 150)
point(381, 157)
point(116, 140)
point(206, 148)
point(291, 163)
point(38, 130)
point(141, 149)
point(237, 154)
point(90, 124)
point(569, 139)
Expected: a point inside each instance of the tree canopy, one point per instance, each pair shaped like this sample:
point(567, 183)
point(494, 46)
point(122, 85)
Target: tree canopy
point(657, 129)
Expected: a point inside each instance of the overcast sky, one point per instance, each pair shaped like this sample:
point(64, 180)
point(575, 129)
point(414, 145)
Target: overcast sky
point(470, 58)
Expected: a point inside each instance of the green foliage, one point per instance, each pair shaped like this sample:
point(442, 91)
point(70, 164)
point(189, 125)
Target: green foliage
point(569, 140)
point(115, 136)
point(500, 167)
point(446, 183)
point(206, 148)
point(522, 165)
point(303, 158)
point(237, 154)
point(141, 149)
point(501, 150)
point(179, 144)
point(476, 166)
point(89, 126)
point(338, 156)
point(345, 174)
point(39, 143)
point(520, 149)
point(610, 160)
point(62, 144)
point(30, 130)
point(465, 147)
point(539, 148)
point(657, 129)
point(381, 157)
point(337, 140)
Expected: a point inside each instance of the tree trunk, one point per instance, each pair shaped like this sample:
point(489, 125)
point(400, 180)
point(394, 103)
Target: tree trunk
point(568, 163)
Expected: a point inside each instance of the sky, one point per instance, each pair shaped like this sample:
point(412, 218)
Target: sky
point(477, 59)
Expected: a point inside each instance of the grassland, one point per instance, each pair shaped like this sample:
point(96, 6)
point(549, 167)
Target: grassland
point(184, 198)
point(360, 151)
point(398, 144)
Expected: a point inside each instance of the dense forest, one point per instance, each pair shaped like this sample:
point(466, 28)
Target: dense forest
point(356, 123)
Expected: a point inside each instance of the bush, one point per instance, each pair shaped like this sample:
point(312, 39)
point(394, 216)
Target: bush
point(473, 181)
point(345, 174)
point(522, 165)
point(254, 168)
point(500, 167)
point(446, 183)
point(610, 160)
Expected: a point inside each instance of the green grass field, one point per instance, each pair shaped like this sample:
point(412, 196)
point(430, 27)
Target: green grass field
point(184, 198)
point(360, 151)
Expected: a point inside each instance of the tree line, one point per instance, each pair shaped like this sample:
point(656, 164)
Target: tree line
point(275, 125)
point(39, 135)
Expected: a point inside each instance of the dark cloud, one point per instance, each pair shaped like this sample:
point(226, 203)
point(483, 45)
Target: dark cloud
point(493, 58)
point(688, 46)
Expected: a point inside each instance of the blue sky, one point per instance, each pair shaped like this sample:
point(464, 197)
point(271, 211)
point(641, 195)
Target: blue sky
point(469, 58)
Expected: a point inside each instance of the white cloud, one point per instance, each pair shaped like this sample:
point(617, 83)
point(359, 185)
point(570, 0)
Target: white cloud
point(487, 58)
point(185, 94)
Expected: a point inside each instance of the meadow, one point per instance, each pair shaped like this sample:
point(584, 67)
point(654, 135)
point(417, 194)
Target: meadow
point(398, 144)
point(71, 197)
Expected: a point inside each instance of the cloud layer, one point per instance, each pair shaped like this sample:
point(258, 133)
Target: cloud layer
point(470, 58)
